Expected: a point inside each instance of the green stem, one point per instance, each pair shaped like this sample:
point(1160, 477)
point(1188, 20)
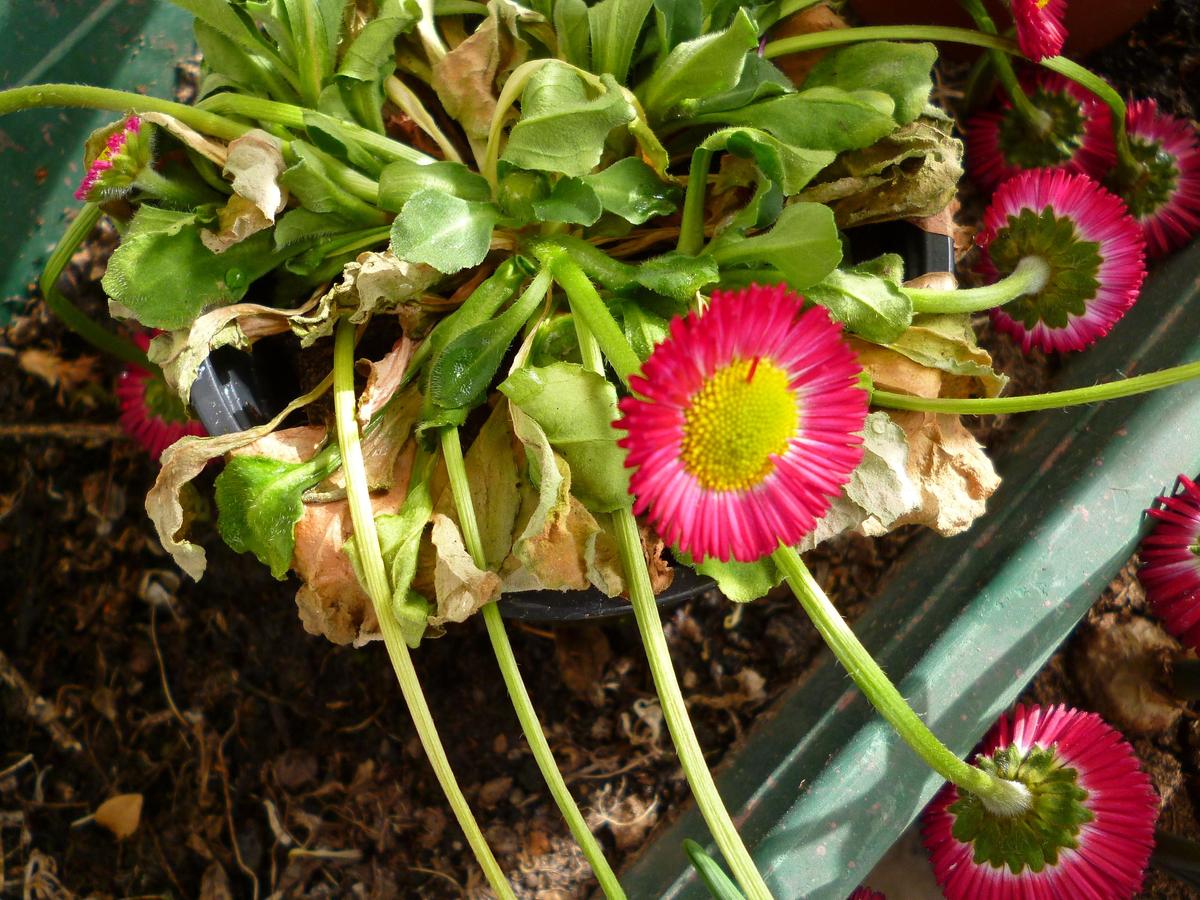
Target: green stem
point(1029, 277)
point(691, 757)
point(400, 94)
point(290, 116)
point(1038, 118)
point(986, 406)
point(71, 315)
point(78, 95)
point(460, 489)
point(587, 305)
point(160, 187)
point(379, 590)
point(691, 225)
point(998, 794)
point(1077, 73)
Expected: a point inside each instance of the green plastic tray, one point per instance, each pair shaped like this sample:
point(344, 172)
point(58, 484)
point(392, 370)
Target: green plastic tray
point(822, 787)
point(114, 43)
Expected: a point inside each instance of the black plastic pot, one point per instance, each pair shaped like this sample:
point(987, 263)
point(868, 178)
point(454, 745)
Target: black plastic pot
point(235, 391)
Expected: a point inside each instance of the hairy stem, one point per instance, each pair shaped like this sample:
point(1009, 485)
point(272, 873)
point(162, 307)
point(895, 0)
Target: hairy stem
point(71, 315)
point(1029, 277)
point(1038, 118)
point(998, 794)
point(986, 406)
point(379, 590)
point(691, 757)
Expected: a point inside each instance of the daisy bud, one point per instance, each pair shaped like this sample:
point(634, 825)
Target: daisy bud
point(1164, 193)
point(746, 423)
point(1171, 562)
point(1088, 832)
point(1094, 250)
point(113, 172)
point(1001, 143)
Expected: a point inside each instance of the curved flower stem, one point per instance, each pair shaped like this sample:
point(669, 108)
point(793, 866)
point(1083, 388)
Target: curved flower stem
point(460, 489)
point(691, 225)
point(658, 655)
point(986, 406)
point(691, 757)
point(587, 305)
point(79, 95)
point(1028, 277)
point(1038, 118)
point(379, 590)
point(1072, 70)
point(998, 794)
point(71, 315)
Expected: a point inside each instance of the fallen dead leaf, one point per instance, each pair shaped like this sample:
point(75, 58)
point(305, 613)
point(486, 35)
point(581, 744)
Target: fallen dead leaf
point(120, 814)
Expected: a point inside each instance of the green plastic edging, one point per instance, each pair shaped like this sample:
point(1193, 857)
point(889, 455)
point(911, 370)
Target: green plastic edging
point(133, 46)
point(822, 787)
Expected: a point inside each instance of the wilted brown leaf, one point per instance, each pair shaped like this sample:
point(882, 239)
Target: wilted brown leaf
point(461, 587)
point(120, 814)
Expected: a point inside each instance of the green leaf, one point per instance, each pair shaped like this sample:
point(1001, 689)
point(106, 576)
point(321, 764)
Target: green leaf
point(225, 18)
point(460, 375)
point(309, 181)
point(719, 885)
point(677, 275)
point(163, 275)
point(331, 135)
point(630, 189)
point(305, 226)
point(824, 118)
point(372, 54)
point(401, 179)
point(479, 306)
point(867, 298)
point(700, 67)
point(789, 167)
point(803, 245)
point(761, 79)
point(399, 541)
point(740, 582)
point(443, 231)
point(615, 27)
point(563, 129)
point(572, 201)
point(576, 409)
point(900, 70)
point(571, 26)
point(677, 21)
point(250, 70)
point(643, 329)
point(259, 502)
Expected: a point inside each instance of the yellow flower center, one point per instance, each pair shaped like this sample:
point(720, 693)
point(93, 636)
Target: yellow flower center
point(744, 414)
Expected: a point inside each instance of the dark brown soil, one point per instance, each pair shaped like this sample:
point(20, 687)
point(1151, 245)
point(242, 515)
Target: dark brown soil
point(272, 762)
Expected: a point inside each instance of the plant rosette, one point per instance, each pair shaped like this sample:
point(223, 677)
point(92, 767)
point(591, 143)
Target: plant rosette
point(1001, 142)
point(1089, 830)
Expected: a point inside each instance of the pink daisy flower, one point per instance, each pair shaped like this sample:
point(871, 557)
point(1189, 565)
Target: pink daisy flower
point(1088, 833)
point(1165, 200)
point(747, 424)
point(1171, 562)
point(1040, 29)
point(1093, 247)
point(112, 172)
point(1001, 143)
point(151, 413)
